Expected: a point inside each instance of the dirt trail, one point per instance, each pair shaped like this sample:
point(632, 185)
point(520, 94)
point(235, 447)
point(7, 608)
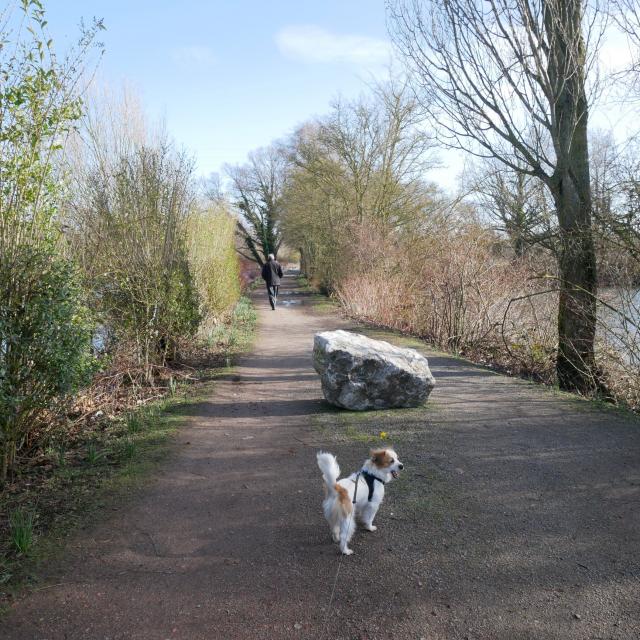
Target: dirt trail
point(518, 517)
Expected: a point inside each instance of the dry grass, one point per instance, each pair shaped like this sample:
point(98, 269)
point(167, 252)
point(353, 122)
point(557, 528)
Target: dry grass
point(459, 290)
point(459, 293)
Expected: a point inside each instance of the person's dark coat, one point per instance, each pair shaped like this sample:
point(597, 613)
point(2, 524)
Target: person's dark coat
point(271, 273)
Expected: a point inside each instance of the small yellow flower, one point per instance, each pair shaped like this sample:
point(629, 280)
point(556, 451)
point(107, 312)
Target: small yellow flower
point(383, 435)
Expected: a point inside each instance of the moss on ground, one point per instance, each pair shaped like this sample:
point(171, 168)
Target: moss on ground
point(324, 305)
point(423, 492)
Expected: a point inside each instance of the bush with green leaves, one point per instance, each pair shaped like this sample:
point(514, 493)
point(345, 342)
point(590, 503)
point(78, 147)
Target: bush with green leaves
point(45, 339)
point(130, 234)
point(45, 332)
point(214, 260)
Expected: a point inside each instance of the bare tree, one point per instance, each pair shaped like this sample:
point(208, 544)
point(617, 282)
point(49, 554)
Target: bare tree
point(257, 188)
point(626, 15)
point(616, 187)
point(361, 164)
point(516, 202)
point(211, 189)
point(371, 153)
point(507, 79)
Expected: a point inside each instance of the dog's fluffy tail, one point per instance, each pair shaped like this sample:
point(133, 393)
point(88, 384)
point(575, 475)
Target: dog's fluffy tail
point(330, 470)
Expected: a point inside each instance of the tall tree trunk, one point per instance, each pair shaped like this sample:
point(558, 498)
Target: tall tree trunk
point(571, 190)
point(577, 308)
point(303, 262)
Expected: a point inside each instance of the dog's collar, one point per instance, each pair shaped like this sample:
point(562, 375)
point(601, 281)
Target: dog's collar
point(370, 479)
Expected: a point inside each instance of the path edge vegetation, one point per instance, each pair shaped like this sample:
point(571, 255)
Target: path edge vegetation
point(120, 287)
point(327, 303)
point(112, 474)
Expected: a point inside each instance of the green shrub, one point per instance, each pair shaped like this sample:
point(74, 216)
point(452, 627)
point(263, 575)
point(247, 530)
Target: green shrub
point(128, 449)
point(130, 234)
point(45, 330)
point(214, 261)
point(45, 340)
point(93, 454)
point(134, 422)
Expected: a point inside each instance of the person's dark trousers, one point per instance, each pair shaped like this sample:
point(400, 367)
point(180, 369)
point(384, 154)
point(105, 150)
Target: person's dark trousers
point(273, 294)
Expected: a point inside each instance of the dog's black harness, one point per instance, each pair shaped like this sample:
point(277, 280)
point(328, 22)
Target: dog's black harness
point(370, 479)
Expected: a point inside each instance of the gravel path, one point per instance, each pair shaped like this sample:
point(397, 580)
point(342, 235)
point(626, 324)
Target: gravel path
point(518, 516)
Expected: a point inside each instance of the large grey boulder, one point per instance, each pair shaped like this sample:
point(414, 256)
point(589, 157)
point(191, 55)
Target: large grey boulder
point(359, 373)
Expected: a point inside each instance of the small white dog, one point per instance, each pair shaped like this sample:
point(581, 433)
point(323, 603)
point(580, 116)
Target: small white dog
point(363, 490)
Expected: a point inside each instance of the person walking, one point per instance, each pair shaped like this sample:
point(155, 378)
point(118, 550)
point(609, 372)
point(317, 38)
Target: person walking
point(271, 274)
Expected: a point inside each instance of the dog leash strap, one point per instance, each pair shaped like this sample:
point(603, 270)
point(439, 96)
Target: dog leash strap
point(357, 481)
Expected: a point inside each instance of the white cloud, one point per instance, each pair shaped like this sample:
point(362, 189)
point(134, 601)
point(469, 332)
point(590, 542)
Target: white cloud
point(199, 56)
point(314, 44)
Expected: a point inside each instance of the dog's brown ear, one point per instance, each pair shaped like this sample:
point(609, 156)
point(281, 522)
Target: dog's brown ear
point(376, 455)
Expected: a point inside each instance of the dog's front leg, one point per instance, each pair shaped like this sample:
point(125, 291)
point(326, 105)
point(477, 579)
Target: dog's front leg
point(368, 514)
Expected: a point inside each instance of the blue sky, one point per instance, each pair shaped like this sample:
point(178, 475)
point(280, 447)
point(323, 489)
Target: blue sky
point(231, 76)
